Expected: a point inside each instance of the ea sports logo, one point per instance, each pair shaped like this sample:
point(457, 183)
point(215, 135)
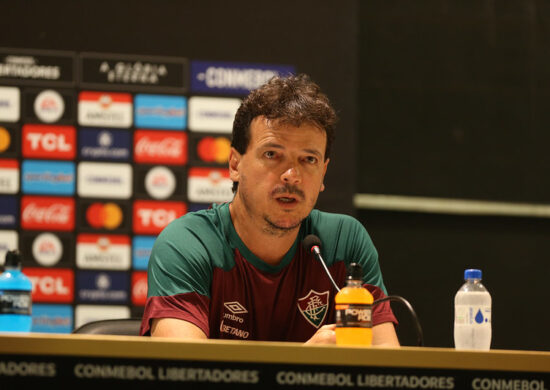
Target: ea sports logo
point(160, 182)
point(47, 249)
point(49, 106)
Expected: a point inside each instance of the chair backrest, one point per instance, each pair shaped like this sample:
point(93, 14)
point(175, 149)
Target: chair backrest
point(119, 326)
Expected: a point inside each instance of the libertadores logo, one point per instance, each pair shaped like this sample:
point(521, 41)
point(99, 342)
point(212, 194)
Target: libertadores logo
point(314, 307)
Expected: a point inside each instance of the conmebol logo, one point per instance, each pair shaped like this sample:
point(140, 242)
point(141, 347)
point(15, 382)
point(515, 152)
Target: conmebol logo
point(233, 78)
point(209, 114)
point(97, 180)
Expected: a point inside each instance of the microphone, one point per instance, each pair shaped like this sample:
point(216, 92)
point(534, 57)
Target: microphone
point(312, 243)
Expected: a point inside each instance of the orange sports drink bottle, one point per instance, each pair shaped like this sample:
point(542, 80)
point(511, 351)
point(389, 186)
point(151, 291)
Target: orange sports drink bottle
point(354, 310)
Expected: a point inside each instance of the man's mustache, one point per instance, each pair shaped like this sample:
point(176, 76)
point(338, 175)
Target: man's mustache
point(288, 189)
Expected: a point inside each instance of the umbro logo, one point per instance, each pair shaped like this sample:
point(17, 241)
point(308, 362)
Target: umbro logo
point(235, 307)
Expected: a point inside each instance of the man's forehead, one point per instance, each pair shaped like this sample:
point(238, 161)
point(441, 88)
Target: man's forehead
point(262, 122)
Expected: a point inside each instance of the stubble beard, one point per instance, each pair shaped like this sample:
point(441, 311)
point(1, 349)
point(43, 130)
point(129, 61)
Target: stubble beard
point(269, 227)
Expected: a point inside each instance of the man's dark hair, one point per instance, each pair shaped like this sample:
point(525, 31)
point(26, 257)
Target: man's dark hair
point(292, 100)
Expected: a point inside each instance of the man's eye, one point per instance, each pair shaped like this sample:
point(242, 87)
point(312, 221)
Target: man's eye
point(269, 154)
point(311, 160)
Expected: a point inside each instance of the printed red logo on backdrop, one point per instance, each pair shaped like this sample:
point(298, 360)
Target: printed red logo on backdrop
point(214, 150)
point(49, 141)
point(150, 217)
point(139, 288)
point(47, 213)
point(51, 284)
point(104, 215)
point(160, 147)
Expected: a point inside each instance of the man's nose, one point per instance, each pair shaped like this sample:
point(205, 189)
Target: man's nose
point(291, 176)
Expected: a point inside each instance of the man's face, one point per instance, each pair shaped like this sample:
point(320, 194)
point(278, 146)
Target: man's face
point(280, 175)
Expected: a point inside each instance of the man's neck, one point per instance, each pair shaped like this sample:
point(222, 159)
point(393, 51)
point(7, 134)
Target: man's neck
point(270, 247)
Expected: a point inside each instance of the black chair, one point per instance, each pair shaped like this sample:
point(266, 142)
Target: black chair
point(119, 326)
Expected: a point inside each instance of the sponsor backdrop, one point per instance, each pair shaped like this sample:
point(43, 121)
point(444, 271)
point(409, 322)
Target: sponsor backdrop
point(98, 153)
point(115, 118)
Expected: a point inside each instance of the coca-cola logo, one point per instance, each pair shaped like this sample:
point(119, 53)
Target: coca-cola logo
point(47, 213)
point(160, 147)
point(167, 146)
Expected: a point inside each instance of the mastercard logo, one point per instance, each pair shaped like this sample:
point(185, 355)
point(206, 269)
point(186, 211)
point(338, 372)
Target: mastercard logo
point(212, 149)
point(5, 139)
point(104, 216)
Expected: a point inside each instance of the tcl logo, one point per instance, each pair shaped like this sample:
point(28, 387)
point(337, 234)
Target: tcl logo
point(51, 285)
point(48, 141)
point(47, 213)
point(151, 217)
point(160, 147)
point(139, 288)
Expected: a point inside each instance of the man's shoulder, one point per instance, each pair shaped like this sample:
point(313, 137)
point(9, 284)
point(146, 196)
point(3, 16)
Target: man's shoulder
point(209, 224)
point(210, 218)
point(332, 221)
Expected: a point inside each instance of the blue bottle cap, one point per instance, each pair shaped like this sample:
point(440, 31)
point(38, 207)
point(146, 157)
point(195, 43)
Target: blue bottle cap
point(472, 274)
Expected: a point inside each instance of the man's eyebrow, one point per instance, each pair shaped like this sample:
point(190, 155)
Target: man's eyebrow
point(279, 146)
point(272, 145)
point(314, 151)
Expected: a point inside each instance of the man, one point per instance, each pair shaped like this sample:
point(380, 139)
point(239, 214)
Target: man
point(237, 270)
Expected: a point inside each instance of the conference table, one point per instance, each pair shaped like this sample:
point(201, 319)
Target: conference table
point(101, 361)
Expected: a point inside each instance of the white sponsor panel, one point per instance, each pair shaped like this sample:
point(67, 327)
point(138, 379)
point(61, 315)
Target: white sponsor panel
point(213, 115)
point(10, 105)
point(160, 182)
point(49, 106)
point(47, 249)
point(99, 180)
point(205, 185)
point(107, 252)
point(8, 242)
point(9, 177)
point(90, 313)
point(105, 109)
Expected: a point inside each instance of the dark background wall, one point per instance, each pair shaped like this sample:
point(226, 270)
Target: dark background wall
point(453, 103)
point(318, 38)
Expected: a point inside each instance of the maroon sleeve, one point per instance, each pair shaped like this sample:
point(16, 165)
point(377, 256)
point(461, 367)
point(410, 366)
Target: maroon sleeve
point(382, 312)
point(190, 307)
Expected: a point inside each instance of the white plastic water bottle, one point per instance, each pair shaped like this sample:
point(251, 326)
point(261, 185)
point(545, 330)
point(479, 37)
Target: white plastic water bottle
point(472, 329)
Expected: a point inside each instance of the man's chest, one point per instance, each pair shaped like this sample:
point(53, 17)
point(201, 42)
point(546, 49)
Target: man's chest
point(291, 305)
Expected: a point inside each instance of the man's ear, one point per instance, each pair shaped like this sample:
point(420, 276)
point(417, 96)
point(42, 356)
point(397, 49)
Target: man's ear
point(234, 164)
